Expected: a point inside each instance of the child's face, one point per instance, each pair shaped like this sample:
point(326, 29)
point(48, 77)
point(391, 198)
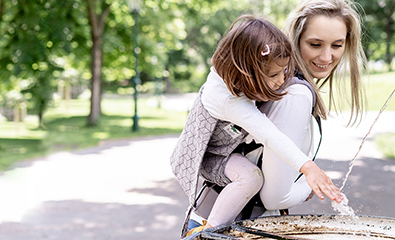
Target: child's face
point(276, 73)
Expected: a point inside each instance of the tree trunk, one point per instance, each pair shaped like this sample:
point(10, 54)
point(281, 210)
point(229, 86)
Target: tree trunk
point(97, 26)
point(167, 82)
point(388, 54)
point(1, 10)
point(67, 94)
point(96, 65)
point(16, 117)
point(389, 10)
point(41, 115)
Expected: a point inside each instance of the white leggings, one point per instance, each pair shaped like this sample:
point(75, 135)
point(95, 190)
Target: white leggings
point(246, 180)
point(291, 115)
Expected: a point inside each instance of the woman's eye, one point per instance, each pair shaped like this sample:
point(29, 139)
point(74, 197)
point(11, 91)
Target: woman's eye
point(315, 45)
point(272, 76)
point(337, 46)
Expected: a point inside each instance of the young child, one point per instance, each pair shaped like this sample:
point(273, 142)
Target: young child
point(252, 63)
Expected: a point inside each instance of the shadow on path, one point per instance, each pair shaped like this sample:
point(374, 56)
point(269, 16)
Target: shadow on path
point(79, 220)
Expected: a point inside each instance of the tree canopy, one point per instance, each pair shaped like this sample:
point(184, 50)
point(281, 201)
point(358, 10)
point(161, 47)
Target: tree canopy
point(89, 42)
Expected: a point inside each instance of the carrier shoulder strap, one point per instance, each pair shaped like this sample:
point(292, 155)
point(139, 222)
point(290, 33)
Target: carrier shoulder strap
point(318, 120)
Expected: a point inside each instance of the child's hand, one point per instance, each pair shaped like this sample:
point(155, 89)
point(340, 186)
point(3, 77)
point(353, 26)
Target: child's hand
point(320, 182)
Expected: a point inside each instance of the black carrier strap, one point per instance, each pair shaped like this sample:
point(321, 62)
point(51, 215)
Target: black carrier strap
point(318, 119)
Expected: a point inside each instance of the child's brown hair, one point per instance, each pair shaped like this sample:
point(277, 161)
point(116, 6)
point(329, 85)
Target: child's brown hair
point(242, 57)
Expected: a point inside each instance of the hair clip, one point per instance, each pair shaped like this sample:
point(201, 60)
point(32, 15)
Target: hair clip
point(267, 52)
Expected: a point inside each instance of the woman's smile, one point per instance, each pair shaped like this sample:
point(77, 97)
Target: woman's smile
point(322, 66)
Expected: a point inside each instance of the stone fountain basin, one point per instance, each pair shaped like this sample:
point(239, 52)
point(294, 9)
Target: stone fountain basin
point(304, 227)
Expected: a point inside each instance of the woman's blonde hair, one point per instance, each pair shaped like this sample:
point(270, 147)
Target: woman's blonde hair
point(353, 59)
point(243, 57)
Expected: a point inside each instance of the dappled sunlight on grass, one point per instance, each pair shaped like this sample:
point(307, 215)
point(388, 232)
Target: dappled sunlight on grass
point(124, 122)
point(124, 107)
point(386, 142)
point(378, 88)
point(101, 135)
point(77, 107)
point(14, 149)
point(66, 128)
point(171, 121)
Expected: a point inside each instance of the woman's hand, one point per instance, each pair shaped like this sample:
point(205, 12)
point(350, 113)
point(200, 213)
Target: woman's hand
point(319, 182)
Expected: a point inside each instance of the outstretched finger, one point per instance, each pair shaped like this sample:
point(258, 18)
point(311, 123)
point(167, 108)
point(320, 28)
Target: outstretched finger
point(318, 192)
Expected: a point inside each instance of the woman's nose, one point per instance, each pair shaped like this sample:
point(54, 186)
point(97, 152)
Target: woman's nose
point(326, 55)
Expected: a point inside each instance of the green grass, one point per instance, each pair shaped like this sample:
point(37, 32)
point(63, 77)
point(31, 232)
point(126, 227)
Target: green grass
point(385, 143)
point(65, 128)
point(378, 88)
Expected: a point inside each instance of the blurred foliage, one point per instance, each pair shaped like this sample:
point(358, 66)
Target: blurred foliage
point(379, 27)
point(44, 43)
point(34, 34)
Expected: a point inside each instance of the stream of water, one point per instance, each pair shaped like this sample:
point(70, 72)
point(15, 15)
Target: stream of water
point(363, 140)
point(343, 207)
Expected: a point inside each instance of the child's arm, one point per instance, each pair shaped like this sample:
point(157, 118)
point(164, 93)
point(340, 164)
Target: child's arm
point(221, 104)
point(241, 111)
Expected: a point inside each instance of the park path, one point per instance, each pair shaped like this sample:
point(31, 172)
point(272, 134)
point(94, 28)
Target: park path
point(118, 190)
point(125, 190)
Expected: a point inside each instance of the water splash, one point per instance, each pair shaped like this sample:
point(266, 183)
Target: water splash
point(363, 141)
point(343, 207)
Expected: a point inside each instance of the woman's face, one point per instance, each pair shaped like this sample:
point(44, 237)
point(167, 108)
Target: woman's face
point(322, 44)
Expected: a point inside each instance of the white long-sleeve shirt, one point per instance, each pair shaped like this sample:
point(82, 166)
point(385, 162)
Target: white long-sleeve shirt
point(221, 104)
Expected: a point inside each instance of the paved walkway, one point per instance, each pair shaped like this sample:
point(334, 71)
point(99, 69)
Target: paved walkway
point(124, 190)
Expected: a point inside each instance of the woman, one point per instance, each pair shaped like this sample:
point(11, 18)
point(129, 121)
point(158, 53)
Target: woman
point(325, 53)
point(322, 54)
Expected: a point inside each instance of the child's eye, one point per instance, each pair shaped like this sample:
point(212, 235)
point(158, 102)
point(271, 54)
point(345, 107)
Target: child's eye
point(272, 76)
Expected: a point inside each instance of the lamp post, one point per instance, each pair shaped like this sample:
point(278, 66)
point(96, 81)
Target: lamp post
point(135, 6)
